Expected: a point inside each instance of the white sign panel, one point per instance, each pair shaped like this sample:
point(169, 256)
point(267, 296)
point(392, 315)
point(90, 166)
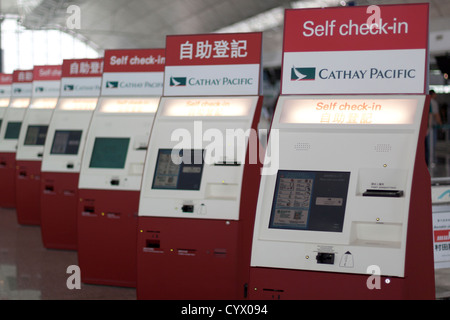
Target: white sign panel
point(352, 72)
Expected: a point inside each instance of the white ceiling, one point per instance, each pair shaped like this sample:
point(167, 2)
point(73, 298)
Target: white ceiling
point(110, 24)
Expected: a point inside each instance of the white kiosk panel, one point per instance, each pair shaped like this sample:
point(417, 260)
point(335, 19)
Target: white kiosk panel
point(119, 143)
point(32, 136)
point(348, 205)
point(187, 157)
point(67, 134)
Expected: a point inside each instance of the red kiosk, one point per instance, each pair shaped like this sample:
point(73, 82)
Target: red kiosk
point(9, 134)
point(112, 165)
point(61, 163)
point(45, 93)
point(198, 197)
point(347, 214)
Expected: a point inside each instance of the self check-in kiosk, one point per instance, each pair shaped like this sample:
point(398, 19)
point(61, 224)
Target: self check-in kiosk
point(347, 212)
point(63, 149)
point(113, 164)
point(199, 191)
point(45, 93)
point(21, 88)
point(5, 93)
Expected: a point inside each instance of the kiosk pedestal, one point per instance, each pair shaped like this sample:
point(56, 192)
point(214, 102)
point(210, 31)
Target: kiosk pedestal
point(348, 213)
point(28, 185)
point(108, 233)
point(8, 176)
point(59, 198)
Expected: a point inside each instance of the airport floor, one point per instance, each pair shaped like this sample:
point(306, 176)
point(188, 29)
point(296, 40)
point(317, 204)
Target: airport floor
point(29, 271)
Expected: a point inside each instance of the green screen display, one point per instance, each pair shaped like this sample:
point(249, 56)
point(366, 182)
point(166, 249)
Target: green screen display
point(13, 130)
point(109, 153)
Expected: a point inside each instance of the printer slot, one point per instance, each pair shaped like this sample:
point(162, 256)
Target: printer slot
point(383, 193)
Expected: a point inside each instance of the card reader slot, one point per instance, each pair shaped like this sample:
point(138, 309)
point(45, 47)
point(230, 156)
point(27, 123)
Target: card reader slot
point(22, 174)
point(89, 211)
point(383, 193)
point(152, 243)
point(220, 252)
point(49, 189)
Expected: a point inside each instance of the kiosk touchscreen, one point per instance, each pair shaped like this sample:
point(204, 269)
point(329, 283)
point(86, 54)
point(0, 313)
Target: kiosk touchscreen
point(63, 149)
point(345, 203)
point(113, 163)
point(45, 93)
point(9, 134)
point(198, 188)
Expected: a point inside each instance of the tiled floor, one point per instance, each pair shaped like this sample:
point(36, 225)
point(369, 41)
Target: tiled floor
point(30, 271)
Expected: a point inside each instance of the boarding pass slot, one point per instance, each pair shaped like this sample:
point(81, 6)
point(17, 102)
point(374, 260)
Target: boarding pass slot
point(383, 193)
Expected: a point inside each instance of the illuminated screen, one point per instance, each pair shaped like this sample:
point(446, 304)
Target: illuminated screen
point(66, 142)
point(178, 169)
point(35, 135)
point(349, 111)
point(211, 107)
point(13, 130)
point(109, 153)
point(309, 200)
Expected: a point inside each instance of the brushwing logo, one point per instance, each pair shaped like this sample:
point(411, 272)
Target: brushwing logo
point(69, 87)
point(112, 84)
point(177, 81)
point(303, 74)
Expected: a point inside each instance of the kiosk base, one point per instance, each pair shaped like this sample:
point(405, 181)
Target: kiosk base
point(8, 179)
point(283, 284)
point(28, 185)
point(188, 259)
point(59, 202)
point(107, 228)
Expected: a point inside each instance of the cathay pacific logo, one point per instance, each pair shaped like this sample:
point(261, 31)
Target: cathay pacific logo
point(112, 84)
point(303, 74)
point(177, 81)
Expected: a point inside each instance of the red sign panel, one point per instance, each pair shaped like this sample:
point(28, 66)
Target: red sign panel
point(134, 60)
point(73, 68)
point(5, 78)
point(385, 27)
point(23, 76)
point(213, 49)
point(442, 235)
point(47, 73)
